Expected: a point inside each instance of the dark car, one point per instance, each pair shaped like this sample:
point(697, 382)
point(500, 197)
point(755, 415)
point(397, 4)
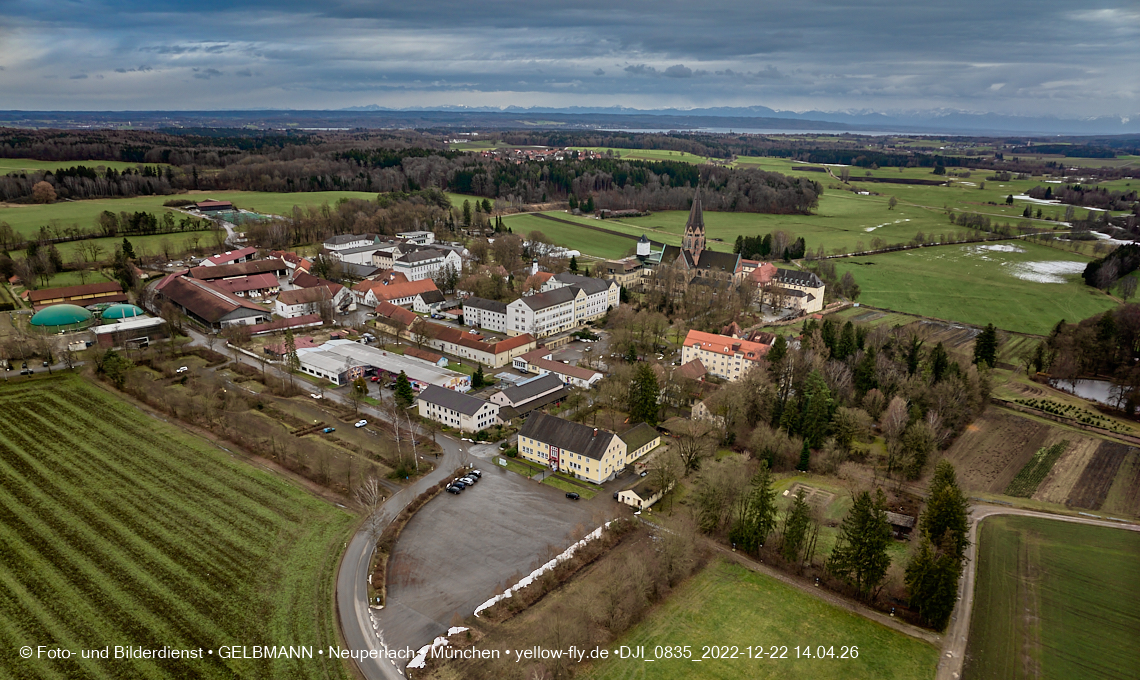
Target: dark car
point(460, 484)
point(572, 496)
point(475, 473)
point(454, 489)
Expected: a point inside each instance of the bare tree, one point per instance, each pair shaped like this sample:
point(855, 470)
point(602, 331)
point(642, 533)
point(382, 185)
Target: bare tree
point(370, 495)
point(693, 444)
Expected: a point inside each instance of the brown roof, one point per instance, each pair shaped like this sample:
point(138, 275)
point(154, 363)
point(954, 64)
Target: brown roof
point(204, 300)
point(306, 280)
point(69, 292)
point(246, 283)
point(694, 370)
point(231, 255)
point(564, 369)
point(396, 313)
point(282, 324)
point(395, 291)
point(226, 271)
point(422, 354)
point(301, 296)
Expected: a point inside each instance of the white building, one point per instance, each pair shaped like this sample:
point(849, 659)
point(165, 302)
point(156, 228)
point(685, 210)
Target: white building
point(423, 238)
point(722, 355)
point(601, 295)
point(425, 264)
point(483, 313)
point(458, 410)
point(343, 242)
point(342, 361)
point(544, 314)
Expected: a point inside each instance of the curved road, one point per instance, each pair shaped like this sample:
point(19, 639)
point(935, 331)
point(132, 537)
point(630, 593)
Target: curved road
point(954, 641)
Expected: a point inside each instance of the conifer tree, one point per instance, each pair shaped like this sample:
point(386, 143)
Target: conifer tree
point(644, 393)
point(860, 555)
point(405, 395)
point(757, 515)
point(986, 346)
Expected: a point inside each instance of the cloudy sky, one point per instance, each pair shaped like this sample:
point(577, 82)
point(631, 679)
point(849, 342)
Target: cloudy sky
point(1039, 57)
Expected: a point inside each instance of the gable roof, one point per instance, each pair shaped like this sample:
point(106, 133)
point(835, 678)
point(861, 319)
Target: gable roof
point(69, 292)
point(430, 297)
point(532, 388)
point(450, 399)
point(226, 271)
point(420, 353)
point(712, 260)
point(484, 303)
point(638, 436)
point(799, 278)
point(421, 256)
point(694, 370)
point(302, 296)
point(566, 435)
point(282, 324)
point(396, 313)
point(230, 256)
point(246, 283)
point(307, 280)
point(395, 291)
point(204, 300)
point(589, 284)
point(763, 273)
point(341, 239)
point(550, 298)
point(722, 344)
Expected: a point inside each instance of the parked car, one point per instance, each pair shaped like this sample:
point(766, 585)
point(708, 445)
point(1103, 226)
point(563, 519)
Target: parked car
point(572, 496)
point(467, 480)
point(360, 423)
point(375, 379)
point(314, 395)
point(182, 369)
point(475, 473)
point(615, 495)
point(644, 473)
point(459, 484)
point(454, 489)
point(329, 429)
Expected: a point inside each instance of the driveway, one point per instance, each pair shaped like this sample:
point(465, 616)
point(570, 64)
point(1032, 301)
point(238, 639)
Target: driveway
point(459, 551)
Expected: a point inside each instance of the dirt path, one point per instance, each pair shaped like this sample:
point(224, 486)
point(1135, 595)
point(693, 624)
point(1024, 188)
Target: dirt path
point(957, 633)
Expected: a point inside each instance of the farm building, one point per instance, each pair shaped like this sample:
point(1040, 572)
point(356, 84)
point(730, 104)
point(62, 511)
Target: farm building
point(130, 332)
point(214, 206)
point(230, 257)
point(644, 494)
point(89, 294)
point(62, 317)
point(209, 306)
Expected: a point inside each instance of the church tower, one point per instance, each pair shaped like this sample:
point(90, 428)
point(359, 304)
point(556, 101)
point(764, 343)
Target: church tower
point(694, 241)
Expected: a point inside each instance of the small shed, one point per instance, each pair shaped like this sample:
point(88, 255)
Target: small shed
point(901, 525)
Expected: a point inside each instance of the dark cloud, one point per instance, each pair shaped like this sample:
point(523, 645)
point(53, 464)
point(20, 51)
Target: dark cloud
point(78, 76)
point(1052, 55)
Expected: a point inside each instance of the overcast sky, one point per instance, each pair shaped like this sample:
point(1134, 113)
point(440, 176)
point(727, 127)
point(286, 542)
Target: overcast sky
point(1039, 57)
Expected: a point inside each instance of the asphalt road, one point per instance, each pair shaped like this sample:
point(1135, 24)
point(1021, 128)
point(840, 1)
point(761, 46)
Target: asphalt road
point(957, 632)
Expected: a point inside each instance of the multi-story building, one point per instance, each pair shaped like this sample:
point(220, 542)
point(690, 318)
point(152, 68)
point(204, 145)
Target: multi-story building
point(541, 361)
point(601, 295)
point(721, 355)
point(802, 291)
point(586, 452)
point(458, 410)
point(544, 314)
point(426, 263)
point(483, 313)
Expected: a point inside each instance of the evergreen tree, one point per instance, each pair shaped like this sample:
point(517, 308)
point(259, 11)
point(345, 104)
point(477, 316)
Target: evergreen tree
point(467, 213)
point(589, 205)
point(796, 524)
point(932, 583)
point(860, 555)
point(477, 379)
point(816, 415)
point(828, 335)
point(939, 363)
point(573, 263)
point(757, 515)
point(766, 245)
point(778, 352)
point(487, 205)
point(847, 345)
point(865, 372)
point(738, 245)
point(805, 458)
point(292, 361)
point(986, 346)
point(913, 355)
point(405, 395)
point(643, 395)
point(128, 249)
point(946, 516)
point(573, 202)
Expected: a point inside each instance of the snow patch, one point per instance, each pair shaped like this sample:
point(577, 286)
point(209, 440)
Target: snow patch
point(420, 659)
point(529, 579)
point(1000, 248)
point(454, 630)
point(1050, 271)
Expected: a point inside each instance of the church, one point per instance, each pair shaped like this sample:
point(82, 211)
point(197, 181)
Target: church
point(702, 266)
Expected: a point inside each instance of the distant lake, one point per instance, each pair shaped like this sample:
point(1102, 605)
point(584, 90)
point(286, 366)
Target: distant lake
point(778, 131)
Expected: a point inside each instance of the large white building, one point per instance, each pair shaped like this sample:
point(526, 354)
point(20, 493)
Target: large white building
point(342, 361)
point(722, 355)
point(483, 313)
point(601, 295)
point(455, 409)
point(426, 263)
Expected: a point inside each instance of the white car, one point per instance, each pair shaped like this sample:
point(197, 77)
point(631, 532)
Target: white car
point(315, 396)
point(361, 423)
point(182, 369)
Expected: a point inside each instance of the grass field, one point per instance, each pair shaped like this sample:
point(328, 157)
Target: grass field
point(727, 604)
point(9, 165)
point(1054, 600)
point(588, 242)
point(119, 529)
point(648, 154)
point(980, 284)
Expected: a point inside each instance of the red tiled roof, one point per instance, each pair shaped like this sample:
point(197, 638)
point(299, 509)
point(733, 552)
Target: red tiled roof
point(422, 354)
point(396, 313)
point(395, 291)
point(246, 283)
point(306, 280)
point(302, 296)
point(98, 290)
point(722, 344)
point(282, 324)
point(763, 274)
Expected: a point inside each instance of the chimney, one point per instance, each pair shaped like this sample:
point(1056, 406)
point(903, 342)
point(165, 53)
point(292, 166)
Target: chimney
point(595, 432)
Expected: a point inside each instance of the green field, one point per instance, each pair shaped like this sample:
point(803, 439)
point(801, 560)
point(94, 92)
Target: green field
point(588, 242)
point(976, 284)
point(648, 154)
point(9, 165)
point(1055, 600)
point(119, 529)
point(728, 605)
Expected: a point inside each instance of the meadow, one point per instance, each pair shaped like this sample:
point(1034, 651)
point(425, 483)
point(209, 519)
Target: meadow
point(589, 242)
point(1015, 285)
point(728, 605)
point(117, 528)
point(1054, 600)
point(10, 165)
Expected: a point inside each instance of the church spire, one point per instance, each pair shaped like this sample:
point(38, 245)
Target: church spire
point(694, 240)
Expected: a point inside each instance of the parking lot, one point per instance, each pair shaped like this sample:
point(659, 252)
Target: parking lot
point(459, 551)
